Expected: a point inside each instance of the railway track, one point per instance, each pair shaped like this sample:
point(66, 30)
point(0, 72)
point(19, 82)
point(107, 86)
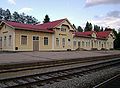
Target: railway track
point(107, 82)
point(38, 80)
point(38, 65)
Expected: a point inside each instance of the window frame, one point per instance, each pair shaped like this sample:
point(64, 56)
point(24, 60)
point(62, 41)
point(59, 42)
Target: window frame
point(63, 42)
point(57, 42)
point(74, 43)
point(10, 40)
point(5, 41)
point(46, 43)
point(21, 40)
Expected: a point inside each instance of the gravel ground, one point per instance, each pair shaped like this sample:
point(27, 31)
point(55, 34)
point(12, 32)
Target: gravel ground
point(86, 81)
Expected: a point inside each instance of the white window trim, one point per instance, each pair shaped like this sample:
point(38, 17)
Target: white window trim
point(10, 41)
point(37, 36)
point(58, 42)
point(43, 40)
point(20, 39)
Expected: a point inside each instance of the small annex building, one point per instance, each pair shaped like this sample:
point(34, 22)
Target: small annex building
point(52, 36)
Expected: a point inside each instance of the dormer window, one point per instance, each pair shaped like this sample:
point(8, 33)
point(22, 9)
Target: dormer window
point(94, 35)
point(64, 28)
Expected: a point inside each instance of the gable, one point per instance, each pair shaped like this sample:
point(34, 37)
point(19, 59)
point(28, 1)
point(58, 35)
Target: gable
point(65, 25)
point(94, 35)
point(111, 35)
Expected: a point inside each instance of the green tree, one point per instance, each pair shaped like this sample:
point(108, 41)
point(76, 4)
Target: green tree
point(46, 19)
point(22, 18)
point(16, 17)
point(117, 40)
point(74, 26)
point(96, 28)
point(108, 29)
point(88, 27)
point(1, 16)
point(7, 15)
point(79, 29)
point(101, 29)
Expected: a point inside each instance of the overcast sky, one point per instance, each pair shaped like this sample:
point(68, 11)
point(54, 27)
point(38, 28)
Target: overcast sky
point(101, 12)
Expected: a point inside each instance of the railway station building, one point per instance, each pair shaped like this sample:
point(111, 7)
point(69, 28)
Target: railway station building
point(52, 36)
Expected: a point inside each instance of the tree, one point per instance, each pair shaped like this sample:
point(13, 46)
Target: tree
point(74, 26)
point(117, 40)
point(7, 16)
point(96, 28)
point(27, 19)
point(88, 27)
point(22, 18)
point(16, 17)
point(116, 45)
point(47, 19)
point(1, 16)
point(108, 29)
point(34, 20)
point(79, 29)
point(101, 29)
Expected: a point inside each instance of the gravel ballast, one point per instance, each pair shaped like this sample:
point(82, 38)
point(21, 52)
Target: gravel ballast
point(86, 81)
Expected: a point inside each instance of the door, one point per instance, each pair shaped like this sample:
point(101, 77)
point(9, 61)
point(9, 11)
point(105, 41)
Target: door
point(35, 43)
point(0, 43)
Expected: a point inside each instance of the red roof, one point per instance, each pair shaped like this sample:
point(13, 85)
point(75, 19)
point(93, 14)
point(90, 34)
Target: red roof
point(40, 27)
point(100, 35)
point(50, 25)
point(84, 34)
point(103, 34)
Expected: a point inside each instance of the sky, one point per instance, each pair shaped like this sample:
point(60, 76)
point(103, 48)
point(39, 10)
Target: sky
point(104, 13)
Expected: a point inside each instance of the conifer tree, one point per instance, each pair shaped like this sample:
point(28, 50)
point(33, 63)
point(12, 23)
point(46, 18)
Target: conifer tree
point(46, 19)
point(88, 27)
point(79, 29)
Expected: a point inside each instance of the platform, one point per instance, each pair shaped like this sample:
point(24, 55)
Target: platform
point(24, 57)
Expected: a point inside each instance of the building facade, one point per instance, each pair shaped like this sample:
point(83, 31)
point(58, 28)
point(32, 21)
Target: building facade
point(52, 36)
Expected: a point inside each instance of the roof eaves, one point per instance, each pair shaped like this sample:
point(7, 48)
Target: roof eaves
point(59, 23)
point(8, 24)
point(33, 30)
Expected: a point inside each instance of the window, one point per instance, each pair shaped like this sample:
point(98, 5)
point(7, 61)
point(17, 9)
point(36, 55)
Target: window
point(99, 43)
point(23, 40)
point(45, 40)
point(86, 44)
point(108, 44)
point(10, 38)
point(35, 38)
point(5, 40)
point(63, 42)
point(57, 41)
point(83, 43)
point(63, 28)
point(95, 43)
point(89, 43)
point(74, 43)
point(79, 44)
point(0, 39)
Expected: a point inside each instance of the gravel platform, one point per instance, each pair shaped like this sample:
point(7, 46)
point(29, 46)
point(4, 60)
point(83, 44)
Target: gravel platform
point(26, 57)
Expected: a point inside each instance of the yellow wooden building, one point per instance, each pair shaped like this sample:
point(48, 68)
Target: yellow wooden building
point(52, 36)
